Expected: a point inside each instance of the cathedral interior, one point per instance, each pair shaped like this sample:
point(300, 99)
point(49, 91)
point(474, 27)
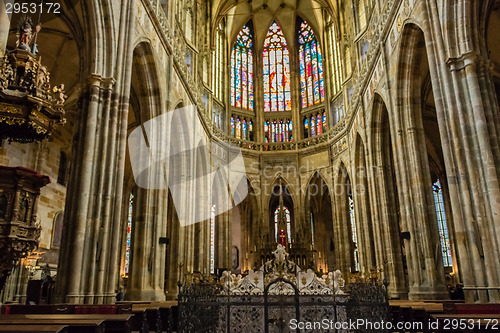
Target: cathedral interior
point(145, 141)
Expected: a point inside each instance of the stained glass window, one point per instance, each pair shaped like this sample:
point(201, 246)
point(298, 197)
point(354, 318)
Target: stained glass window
point(250, 130)
point(315, 125)
point(189, 25)
point(339, 110)
point(286, 212)
point(311, 67)
point(354, 234)
point(276, 218)
point(212, 240)
point(312, 230)
point(335, 60)
point(361, 14)
point(278, 131)
point(348, 64)
point(129, 231)
point(319, 125)
point(218, 65)
point(241, 128)
point(365, 46)
point(276, 70)
point(238, 128)
point(442, 224)
point(242, 70)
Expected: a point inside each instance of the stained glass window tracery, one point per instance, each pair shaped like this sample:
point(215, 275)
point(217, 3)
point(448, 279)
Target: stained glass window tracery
point(315, 125)
point(217, 64)
point(335, 60)
point(286, 211)
point(242, 70)
point(354, 233)
point(311, 67)
point(312, 229)
point(212, 240)
point(444, 237)
point(278, 131)
point(129, 232)
point(276, 70)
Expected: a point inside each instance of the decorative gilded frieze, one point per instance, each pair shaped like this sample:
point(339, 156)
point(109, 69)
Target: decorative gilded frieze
point(19, 228)
point(30, 108)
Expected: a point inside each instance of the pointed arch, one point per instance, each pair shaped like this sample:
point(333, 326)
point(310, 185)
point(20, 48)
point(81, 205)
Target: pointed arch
point(346, 227)
point(421, 151)
point(363, 206)
point(319, 222)
point(280, 193)
point(387, 201)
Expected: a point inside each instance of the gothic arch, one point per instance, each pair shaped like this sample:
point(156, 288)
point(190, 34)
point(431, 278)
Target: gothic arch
point(363, 204)
point(344, 245)
point(148, 222)
point(425, 266)
point(318, 225)
point(386, 199)
point(280, 188)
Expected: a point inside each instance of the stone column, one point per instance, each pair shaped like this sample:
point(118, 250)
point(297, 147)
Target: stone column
point(72, 257)
point(143, 282)
point(4, 25)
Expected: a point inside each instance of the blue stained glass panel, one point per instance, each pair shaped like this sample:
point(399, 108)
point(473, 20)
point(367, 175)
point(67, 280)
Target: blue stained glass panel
point(354, 234)
point(312, 81)
point(444, 237)
point(277, 96)
point(242, 70)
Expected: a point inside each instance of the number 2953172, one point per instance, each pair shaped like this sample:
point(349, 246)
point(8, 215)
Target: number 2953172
point(33, 8)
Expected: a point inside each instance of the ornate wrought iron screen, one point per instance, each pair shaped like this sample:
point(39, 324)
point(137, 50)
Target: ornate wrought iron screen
point(272, 302)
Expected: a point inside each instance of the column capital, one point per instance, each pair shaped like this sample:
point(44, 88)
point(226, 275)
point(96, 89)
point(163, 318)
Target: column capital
point(94, 80)
point(463, 61)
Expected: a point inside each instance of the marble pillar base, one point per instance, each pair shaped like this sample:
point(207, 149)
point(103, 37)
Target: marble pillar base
point(428, 293)
point(145, 295)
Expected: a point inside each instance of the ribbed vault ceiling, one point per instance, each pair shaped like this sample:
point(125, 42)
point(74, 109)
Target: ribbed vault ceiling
point(264, 12)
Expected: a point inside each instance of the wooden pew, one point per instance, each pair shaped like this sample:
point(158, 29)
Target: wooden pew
point(73, 325)
point(475, 308)
point(152, 315)
point(38, 309)
point(33, 328)
point(139, 321)
point(112, 323)
point(66, 309)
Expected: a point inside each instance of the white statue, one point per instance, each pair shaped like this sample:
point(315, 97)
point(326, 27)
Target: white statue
point(280, 254)
point(338, 282)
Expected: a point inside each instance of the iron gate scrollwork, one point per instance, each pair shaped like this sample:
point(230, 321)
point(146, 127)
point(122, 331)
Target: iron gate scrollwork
point(267, 300)
point(281, 305)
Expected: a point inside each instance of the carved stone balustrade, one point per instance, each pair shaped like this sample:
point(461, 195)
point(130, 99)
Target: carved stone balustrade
point(19, 230)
